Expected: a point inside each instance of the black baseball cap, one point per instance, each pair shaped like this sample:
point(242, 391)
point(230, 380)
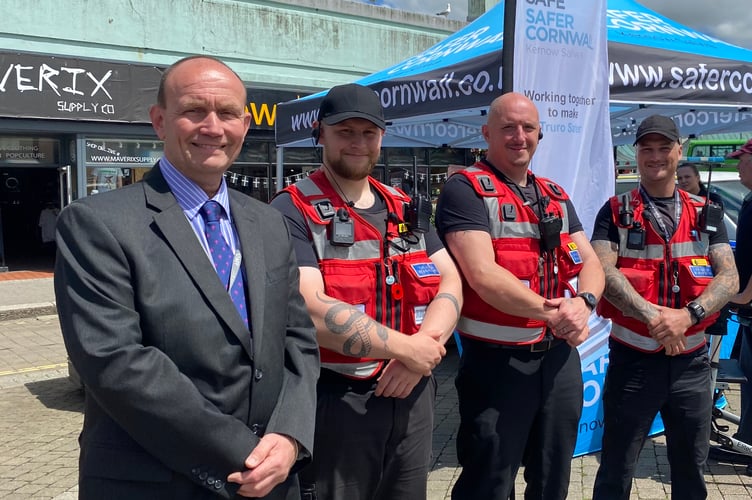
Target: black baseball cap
point(351, 101)
point(658, 124)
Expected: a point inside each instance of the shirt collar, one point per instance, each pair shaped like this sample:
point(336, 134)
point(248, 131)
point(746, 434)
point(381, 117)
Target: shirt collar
point(189, 195)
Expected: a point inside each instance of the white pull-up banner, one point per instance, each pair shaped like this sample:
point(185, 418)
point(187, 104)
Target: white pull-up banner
point(561, 64)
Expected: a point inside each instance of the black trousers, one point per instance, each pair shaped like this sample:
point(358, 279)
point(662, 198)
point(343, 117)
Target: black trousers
point(745, 363)
point(516, 407)
point(638, 386)
point(368, 447)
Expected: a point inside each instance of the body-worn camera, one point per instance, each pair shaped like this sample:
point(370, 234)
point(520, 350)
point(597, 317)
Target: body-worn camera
point(342, 229)
point(636, 237)
point(550, 229)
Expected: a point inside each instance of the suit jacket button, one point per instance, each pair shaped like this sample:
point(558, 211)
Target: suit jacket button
point(255, 428)
point(210, 481)
point(218, 484)
point(258, 374)
point(195, 471)
point(203, 476)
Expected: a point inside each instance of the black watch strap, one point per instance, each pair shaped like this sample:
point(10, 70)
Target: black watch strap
point(589, 299)
point(696, 310)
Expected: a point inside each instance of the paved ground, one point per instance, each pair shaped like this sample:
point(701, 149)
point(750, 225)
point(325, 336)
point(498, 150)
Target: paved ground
point(41, 418)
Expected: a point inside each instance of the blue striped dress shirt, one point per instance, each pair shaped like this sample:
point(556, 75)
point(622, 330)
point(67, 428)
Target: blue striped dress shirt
point(191, 198)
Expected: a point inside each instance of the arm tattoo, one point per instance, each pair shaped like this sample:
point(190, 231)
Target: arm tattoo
point(725, 283)
point(450, 298)
point(618, 289)
point(344, 319)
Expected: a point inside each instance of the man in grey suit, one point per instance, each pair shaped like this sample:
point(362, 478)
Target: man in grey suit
point(184, 399)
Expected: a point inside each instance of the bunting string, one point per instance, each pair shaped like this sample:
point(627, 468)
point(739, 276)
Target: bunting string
point(237, 179)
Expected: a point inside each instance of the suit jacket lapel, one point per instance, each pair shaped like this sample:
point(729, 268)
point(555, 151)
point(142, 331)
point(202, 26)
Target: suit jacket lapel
point(249, 233)
point(179, 235)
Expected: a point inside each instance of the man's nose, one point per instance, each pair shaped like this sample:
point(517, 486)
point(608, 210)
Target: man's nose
point(211, 124)
point(519, 132)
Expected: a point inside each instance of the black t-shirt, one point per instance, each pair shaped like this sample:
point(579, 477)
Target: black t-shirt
point(605, 229)
point(714, 197)
point(460, 208)
point(744, 242)
point(376, 216)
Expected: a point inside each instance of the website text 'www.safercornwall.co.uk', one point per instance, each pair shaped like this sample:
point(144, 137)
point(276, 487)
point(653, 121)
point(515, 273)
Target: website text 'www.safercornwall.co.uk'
point(408, 93)
point(698, 77)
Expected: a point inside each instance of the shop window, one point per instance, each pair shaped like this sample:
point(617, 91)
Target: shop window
point(446, 156)
point(254, 152)
point(112, 163)
point(29, 151)
point(404, 156)
point(252, 179)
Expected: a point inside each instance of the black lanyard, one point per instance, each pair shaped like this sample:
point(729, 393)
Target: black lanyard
point(541, 202)
point(657, 213)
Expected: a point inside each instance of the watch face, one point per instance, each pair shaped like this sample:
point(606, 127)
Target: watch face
point(589, 299)
point(697, 310)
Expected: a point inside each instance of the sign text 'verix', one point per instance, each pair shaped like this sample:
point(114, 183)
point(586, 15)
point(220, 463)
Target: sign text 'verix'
point(64, 79)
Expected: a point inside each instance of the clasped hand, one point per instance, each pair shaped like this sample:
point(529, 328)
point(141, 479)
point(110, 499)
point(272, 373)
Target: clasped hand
point(267, 466)
point(424, 353)
point(668, 328)
point(569, 321)
point(400, 376)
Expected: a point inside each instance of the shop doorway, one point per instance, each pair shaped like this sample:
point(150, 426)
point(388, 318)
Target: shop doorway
point(29, 203)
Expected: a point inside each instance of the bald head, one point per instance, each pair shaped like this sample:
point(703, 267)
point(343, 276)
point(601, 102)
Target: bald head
point(192, 61)
point(512, 133)
point(510, 103)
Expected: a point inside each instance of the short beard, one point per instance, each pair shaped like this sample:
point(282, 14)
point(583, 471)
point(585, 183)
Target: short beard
point(352, 174)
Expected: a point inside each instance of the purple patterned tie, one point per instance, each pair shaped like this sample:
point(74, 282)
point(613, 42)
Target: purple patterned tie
point(223, 257)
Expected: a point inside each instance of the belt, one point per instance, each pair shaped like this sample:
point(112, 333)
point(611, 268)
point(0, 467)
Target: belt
point(331, 378)
point(542, 346)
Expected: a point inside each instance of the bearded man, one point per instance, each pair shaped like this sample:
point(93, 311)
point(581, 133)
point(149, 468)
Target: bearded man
point(384, 296)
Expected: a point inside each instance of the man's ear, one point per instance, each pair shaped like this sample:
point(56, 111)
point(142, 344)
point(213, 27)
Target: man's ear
point(156, 114)
point(246, 121)
point(316, 132)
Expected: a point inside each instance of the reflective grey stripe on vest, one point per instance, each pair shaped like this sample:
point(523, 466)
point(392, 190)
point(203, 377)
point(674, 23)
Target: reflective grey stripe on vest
point(308, 188)
point(514, 229)
point(392, 191)
point(411, 248)
point(498, 333)
point(360, 250)
point(648, 344)
point(655, 252)
point(650, 252)
point(356, 370)
point(691, 248)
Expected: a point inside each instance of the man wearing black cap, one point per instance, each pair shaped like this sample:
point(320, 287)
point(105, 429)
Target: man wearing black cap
point(667, 275)
point(384, 296)
point(744, 298)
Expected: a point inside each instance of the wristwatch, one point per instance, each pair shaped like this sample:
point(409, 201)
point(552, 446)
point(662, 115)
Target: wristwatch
point(589, 299)
point(696, 311)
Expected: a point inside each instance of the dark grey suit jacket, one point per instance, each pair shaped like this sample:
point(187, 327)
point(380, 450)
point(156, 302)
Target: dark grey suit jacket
point(177, 392)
